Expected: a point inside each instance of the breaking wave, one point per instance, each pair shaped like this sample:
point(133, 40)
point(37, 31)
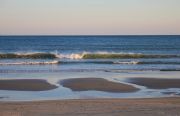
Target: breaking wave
point(106, 55)
point(28, 55)
point(126, 56)
point(85, 55)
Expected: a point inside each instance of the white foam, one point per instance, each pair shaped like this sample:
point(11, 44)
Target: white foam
point(131, 62)
point(81, 55)
point(71, 56)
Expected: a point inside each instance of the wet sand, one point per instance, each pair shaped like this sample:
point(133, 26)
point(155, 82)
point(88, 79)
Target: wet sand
point(94, 107)
point(98, 84)
point(156, 83)
point(26, 85)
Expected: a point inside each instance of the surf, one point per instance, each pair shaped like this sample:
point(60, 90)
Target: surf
point(126, 56)
point(27, 55)
point(85, 55)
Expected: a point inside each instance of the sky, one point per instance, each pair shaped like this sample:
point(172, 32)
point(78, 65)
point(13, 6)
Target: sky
point(89, 17)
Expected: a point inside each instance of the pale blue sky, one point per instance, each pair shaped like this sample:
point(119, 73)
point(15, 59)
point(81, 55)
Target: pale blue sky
point(64, 17)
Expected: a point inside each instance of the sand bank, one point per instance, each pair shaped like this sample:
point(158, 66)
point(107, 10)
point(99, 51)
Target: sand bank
point(99, 84)
point(26, 85)
point(96, 107)
point(156, 83)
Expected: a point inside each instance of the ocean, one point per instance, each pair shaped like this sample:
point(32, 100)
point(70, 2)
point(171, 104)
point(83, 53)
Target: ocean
point(83, 52)
point(59, 57)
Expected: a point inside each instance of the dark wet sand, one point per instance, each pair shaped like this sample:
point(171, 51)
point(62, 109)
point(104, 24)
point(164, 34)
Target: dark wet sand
point(96, 107)
point(156, 83)
point(26, 85)
point(99, 84)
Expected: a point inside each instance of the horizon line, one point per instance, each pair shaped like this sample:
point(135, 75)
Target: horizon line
point(93, 35)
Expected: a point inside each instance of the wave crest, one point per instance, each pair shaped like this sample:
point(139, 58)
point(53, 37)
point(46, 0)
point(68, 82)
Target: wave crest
point(28, 55)
point(86, 55)
point(125, 56)
point(70, 56)
point(106, 55)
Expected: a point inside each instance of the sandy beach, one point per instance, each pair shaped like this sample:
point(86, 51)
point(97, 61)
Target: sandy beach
point(98, 84)
point(165, 106)
point(94, 107)
point(26, 85)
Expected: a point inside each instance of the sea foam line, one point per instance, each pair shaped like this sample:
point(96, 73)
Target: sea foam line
point(31, 63)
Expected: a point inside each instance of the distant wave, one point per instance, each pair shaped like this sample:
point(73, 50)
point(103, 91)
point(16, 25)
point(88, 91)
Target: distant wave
point(31, 63)
point(85, 55)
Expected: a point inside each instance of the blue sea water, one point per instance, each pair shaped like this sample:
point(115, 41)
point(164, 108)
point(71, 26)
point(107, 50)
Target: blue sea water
point(70, 50)
point(111, 57)
point(76, 44)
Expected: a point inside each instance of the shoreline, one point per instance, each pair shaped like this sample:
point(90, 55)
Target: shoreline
point(95, 107)
point(92, 87)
